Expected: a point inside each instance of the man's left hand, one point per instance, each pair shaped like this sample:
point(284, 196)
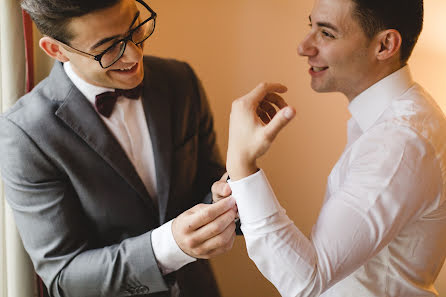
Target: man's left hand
point(221, 189)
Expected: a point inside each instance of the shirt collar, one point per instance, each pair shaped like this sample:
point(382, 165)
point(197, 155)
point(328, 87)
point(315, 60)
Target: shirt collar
point(368, 106)
point(88, 90)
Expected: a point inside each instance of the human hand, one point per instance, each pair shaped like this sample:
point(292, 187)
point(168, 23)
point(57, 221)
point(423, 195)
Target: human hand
point(254, 124)
point(206, 230)
point(221, 189)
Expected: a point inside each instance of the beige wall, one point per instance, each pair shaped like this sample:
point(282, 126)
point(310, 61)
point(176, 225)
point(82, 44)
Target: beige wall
point(235, 44)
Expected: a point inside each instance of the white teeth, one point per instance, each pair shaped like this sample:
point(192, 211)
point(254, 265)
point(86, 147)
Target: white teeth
point(124, 69)
point(318, 69)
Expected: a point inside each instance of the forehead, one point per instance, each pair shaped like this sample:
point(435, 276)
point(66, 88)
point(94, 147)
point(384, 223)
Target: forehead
point(110, 21)
point(336, 12)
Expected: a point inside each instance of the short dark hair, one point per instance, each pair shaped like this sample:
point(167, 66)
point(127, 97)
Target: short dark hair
point(53, 16)
point(405, 16)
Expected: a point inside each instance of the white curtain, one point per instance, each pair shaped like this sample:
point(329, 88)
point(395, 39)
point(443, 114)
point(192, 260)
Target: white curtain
point(16, 272)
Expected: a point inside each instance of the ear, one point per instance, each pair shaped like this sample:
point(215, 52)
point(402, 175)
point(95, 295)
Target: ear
point(389, 44)
point(53, 48)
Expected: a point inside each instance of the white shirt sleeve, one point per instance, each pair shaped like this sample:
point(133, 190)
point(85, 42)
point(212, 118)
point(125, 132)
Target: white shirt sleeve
point(167, 252)
point(386, 185)
point(280, 251)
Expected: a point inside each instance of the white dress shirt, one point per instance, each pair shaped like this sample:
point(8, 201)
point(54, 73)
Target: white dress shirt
point(128, 124)
point(382, 228)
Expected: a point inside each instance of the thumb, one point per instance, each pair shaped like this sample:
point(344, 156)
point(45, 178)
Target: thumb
point(224, 177)
point(280, 120)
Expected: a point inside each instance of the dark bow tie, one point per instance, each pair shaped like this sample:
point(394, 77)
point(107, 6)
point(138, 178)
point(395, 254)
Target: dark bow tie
point(105, 102)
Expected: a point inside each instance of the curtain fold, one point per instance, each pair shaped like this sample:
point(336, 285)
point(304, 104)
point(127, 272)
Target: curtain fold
point(16, 271)
point(29, 50)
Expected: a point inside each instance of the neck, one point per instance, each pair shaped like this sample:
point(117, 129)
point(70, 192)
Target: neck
point(379, 73)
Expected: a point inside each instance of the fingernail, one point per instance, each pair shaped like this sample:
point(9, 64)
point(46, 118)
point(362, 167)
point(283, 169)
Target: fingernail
point(289, 113)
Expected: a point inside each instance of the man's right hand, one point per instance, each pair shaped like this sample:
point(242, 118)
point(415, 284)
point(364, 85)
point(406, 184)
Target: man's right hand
point(206, 230)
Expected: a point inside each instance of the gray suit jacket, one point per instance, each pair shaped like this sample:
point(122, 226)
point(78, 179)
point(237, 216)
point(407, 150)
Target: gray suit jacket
point(82, 211)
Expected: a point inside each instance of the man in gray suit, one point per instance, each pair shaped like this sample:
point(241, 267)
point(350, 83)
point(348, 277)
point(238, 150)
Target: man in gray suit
point(107, 161)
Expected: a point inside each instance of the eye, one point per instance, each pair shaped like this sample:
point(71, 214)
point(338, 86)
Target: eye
point(114, 49)
point(138, 30)
point(328, 34)
point(138, 34)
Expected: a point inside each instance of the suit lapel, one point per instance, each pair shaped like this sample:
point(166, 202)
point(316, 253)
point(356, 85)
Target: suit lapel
point(80, 116)
point(157, 109)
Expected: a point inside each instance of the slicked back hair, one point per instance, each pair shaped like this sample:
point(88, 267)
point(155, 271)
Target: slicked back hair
point(405, 16)
point(53, 16)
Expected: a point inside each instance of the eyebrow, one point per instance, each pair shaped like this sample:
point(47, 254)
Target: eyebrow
point(107, 39)
point(326, 25)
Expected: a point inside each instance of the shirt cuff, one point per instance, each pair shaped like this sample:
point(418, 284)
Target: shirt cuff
point(167, 252)
point(255, 197)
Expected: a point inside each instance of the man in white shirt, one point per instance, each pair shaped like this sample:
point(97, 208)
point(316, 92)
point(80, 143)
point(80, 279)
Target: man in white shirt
point(105, 161)
point(381, 230)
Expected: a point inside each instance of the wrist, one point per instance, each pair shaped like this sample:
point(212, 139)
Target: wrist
point(169, 256)
point(240, 168)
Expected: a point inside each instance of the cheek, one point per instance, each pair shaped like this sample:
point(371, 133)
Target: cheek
point(346, 59)
point(359, 61)
point(94, 73)
point(333, 55)
point(86, 65)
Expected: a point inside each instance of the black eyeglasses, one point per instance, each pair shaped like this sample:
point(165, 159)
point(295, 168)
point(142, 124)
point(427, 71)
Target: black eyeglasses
point(114, 52)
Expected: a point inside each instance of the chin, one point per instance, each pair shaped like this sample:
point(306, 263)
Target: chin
point(322, 88)
point(128, 84)
point(318, 89)
point(138, 80)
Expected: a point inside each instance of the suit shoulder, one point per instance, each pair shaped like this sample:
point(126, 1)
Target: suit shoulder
point(32, 108)
point(168, 67)
point(164, 62)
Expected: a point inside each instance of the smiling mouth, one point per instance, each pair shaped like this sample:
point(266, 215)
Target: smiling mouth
point(128, 69)
point(318, 69)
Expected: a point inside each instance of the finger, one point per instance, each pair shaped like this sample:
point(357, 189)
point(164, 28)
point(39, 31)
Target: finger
point(220, 243)
point(215, 227)
point(263, 115)
point(220, 189)
point(203, 214)
point(276, 100)
point(283, 117)
point(259, 92)
point(268, 108)
point(235, 208)
point(222, 250)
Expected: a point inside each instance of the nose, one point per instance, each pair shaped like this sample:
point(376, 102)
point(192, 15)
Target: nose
point(307, 46)
point(132, 53)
